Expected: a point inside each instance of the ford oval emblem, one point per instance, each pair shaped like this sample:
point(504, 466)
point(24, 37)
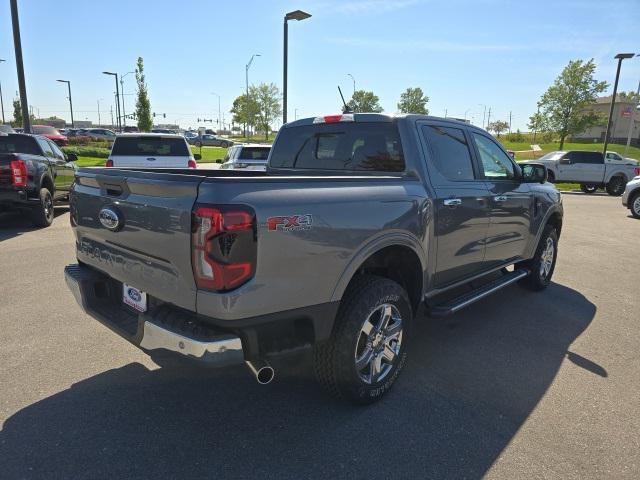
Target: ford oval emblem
point(133, 295)
point(110, 219)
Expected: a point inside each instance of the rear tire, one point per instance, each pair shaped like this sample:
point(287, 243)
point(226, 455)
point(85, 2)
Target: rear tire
point(543, 262)
point(634, 205)
point(367, 349)
point(616, 186)
point(42, 215)
point(586, 188)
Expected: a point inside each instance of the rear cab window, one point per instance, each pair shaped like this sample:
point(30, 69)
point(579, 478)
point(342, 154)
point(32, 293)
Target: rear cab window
point(19, 144)
point(254, 153)
point(342, 146)
point(150, 146)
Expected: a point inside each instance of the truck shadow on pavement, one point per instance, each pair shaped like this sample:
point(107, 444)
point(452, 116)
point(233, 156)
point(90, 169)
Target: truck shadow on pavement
point(13, 224)
point(470, 384)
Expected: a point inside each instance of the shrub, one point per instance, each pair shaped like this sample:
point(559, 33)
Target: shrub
point(82, 151)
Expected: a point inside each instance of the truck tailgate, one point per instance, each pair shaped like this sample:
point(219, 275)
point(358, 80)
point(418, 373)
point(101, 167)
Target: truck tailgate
point(137, 230)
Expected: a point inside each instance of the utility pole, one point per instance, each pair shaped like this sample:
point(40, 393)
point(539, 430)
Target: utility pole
point(510, 123)
point(619, 57)
point(111, 110)
point(99, 112)
point(631, 120)
point(73, 125)
point(246, 84)
point(445, 113)
point(17, 44)
point(489, 117)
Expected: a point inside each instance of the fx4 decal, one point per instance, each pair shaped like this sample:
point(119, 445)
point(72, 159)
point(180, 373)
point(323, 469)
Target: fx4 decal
point(290, 223)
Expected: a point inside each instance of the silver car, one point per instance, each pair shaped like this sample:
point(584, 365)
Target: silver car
point(247, 157)
point(631, 196)
point(101, 134)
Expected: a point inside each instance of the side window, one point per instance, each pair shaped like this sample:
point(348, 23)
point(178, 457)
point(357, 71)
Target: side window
point(496, 164)
point(46, 148)
point(56, 151)
point(450, 152)
point(613, 156)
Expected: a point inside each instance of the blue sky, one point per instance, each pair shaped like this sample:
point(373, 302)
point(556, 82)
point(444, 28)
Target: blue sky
point(502, 54)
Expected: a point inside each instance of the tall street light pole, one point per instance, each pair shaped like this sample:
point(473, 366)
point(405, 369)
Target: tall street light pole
point(117, 99)
point(98, 101)
point(219, 111)
point(124, 115)
point(73, 125)
point(246, 83)
point(297, 15)
point(620, 57)
point(17, 44)
point(1, 100)
point(354, 82)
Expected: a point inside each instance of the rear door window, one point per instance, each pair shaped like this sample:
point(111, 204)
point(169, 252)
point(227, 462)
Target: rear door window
point(450, 152)
point(586, 157)
point(351, 146)
point(46, 148)
point(150, 146)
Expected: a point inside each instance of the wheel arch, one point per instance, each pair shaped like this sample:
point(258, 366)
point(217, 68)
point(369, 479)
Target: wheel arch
point(398, 257)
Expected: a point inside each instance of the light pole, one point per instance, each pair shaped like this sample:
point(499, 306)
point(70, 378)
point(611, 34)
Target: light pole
point(620, 57)
point(246, 84)
point(17, 45)
point(1, 100)
point(632, 120)
point(484, 113)
point(124, 115)
point(297, 15)
point(465, 114)
point(73, 125)
point(354, 82)
point(219, 111)
point(98, 101)
point(117, 99)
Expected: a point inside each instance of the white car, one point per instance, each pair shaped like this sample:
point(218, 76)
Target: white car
point(631, 196)
point(247, 157)
point(151, 150)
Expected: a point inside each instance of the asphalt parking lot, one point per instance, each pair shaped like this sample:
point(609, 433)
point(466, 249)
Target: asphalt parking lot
point(520, 385)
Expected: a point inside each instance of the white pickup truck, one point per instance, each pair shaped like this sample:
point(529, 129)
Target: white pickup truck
point(590, 170)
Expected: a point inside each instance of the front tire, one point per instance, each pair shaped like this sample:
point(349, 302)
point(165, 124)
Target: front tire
point(616, 186)
point(634, 205)
point(42, 215)
point(543, 263)
point(367, 349)
point(586, 188)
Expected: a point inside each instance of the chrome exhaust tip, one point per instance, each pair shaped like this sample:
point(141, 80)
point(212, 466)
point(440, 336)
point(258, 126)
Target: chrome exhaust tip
point(262, 370)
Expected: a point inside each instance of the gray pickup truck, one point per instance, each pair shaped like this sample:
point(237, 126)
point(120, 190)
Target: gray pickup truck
point(358, 220)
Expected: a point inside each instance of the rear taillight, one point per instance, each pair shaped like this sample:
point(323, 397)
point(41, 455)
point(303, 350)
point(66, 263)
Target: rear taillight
point(192, 164)
point(637, 169)
point(223, 244)
point(109, 163)
point(18, 173)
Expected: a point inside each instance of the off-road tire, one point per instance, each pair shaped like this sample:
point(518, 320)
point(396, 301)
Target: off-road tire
point(334, 360)
point(616, 185)
point(538, 278)
point(42, 214)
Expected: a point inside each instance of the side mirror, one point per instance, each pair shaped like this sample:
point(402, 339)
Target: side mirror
point(565, 161)
point(534, 173)
point(197, 156)
point(72, 157)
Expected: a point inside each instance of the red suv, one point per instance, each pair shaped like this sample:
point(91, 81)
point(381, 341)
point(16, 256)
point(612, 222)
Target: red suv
point(51, 133)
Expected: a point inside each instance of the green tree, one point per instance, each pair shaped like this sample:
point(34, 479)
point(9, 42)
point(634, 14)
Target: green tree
point(267, 98)
point(17, 112)
point(143, 105)
point(629, 96)
point(363, 101)
point(564, 107)
point(413, 100)
point(245, 110)
point(497, 127)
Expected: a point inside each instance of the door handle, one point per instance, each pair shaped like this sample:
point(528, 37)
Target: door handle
point(452, 202)
point(500, 198)
point(151, 159)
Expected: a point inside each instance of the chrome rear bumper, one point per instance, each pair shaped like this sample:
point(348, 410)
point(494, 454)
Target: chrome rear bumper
point(153, 332)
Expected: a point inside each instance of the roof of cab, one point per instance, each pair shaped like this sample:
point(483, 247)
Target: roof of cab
point(146, 134)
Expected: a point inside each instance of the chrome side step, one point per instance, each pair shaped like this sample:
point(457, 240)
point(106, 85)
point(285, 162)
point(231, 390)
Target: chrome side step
point(452, 306)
